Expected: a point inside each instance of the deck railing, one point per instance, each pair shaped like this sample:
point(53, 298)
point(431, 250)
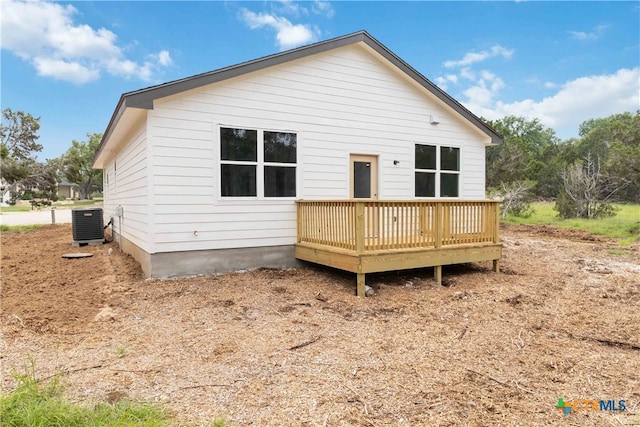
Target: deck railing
point(376, 225)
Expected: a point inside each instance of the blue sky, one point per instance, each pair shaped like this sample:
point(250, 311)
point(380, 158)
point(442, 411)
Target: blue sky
point(560, 62)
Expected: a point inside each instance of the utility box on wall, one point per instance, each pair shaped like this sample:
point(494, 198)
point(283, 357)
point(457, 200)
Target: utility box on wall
point(87, 225)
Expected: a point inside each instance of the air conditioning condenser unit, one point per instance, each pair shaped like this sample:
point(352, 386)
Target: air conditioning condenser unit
point(87, 225)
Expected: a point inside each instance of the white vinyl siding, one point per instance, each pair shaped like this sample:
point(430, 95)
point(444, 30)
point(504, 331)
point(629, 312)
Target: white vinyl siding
point(341, 102)
point(128, 187)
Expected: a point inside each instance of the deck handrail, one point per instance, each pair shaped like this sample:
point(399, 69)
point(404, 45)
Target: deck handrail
point(375, 225)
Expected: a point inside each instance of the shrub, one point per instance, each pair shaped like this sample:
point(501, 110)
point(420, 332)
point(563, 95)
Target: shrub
point(516, 198)
point(568, 207)
point(586, 192)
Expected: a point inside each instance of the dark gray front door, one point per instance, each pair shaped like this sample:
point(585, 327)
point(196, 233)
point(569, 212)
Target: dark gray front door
point(364, 176)
point(361, 180)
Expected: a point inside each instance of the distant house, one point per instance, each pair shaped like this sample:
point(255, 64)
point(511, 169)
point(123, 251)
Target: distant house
point(212, 173)
point(5, 192)
point(67, 190)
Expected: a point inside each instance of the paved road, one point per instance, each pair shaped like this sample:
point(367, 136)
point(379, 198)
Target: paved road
point(35, 217)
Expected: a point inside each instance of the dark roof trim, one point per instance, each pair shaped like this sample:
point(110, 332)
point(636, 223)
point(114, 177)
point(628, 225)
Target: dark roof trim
point(144, 98)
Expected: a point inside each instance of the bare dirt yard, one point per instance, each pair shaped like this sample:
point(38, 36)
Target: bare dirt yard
point(296, 347)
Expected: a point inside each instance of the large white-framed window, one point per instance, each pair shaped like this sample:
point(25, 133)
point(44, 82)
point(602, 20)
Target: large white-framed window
point(257, 163)
point(437, 171)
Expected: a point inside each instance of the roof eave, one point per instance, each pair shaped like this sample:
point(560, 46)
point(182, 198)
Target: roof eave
point(115, 117)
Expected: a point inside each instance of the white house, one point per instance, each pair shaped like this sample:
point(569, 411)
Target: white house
point(202, 174)
point(5, 193)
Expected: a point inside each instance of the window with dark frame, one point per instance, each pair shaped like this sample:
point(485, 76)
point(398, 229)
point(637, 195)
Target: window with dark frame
point(425, 170)
point(240, 163)
point(279, 164)
point(449, 171)
point(433, 164)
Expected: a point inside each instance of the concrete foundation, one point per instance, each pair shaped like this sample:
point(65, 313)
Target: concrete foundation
point(213, 261)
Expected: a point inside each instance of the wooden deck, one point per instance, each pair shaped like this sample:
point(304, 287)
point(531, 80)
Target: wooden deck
point(366, 236)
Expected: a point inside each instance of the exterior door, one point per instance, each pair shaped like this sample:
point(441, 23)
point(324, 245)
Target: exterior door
point(364, 176)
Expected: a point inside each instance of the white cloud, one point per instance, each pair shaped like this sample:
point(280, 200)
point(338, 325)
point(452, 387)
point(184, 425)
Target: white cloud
point(164, 58)
point(293, 9)
point(323, 8)
point(570, 104)
point(59, 48)
point(467, 73)
point(575, 101)
point(485, 89)
point(288, 35)
point(537, 83)
point(487, 75)
point(593, 35)
point(473, 57)
point(443, 82)
point(288, 7)
point(579, 35)
point(73, 71)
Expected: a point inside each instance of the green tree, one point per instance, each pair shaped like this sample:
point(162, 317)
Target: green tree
point(19, 133)
point(77, 165)
point(524, 154)
point(550, 172)
point(624, 155)
point(615, 142)
point(19, 169)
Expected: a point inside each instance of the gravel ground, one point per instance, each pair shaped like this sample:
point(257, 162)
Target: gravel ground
point(296, 347)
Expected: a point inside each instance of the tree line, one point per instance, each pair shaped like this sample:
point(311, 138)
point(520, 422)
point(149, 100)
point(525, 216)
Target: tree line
point(25, 177)
point(584, 175)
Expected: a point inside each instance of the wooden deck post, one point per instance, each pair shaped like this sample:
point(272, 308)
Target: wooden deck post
point(360, 286)
point(437, 274)
point(360, 289)
point(496, 234)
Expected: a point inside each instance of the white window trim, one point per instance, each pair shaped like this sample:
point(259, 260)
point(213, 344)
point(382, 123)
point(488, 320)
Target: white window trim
point(437, 171)
point(259, 163)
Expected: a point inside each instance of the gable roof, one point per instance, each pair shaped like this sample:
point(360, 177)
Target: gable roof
point(143, 98)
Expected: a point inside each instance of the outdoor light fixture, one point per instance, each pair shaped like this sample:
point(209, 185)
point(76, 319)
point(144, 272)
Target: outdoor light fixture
point(395, 162)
